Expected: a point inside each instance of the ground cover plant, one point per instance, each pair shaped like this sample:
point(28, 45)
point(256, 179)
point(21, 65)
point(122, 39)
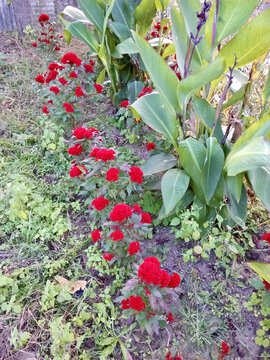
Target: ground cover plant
point(93, 265)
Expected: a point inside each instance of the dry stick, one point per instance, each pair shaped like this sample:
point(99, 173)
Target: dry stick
point(223, 95)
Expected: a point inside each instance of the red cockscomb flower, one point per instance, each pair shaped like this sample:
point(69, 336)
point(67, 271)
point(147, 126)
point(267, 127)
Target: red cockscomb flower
point(79, 92)
point(224, 350)
point(88, 134)
point(75, 150)
point(71, 59)
point(174, 281)
point(53, 66)
point(165, 279)
point(52, 76)
point(102, 154)
point(125, 304)
point(137, 209)
point(77, 172)
point(73, 75)
point(98, 88)
point(170, 317)
point(150, 146)
point(112, 174)
point(149, 271)
point(79, 133)
point(117, 235)
point(136, 174)
point(146, 218)
point(43, 18)
point(147, 291)
point(108, 257)
point(39, 79)
point(95, 235)
point(63, 81)
point(100, 203)
point(88, 68)
point(50, 102)
point(136, 303)
point(266, 237)
point(55, 89)
point(93, 130)
point(124, 104)
point(147, 90)
point(57, 48)
point(120, 213)
point(45, 110)
point(68, 107)
point(92, 62)
point(134, 247)
point(34, 44)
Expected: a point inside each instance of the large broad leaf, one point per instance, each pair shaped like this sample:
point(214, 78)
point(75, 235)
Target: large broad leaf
point(164, 79)
point(182, 204)
point(76, 14)
point(207, 115)
point(252, 154)
point(262, 269)
point(162, 4)
point(266, 90)
point(239, 95)
point(174, 185)
point(157, 163)
point(235, 184)
point(134, 89)
point(189, 85)
point(192, 156)
point(120, 30)
point(251, 42)
point(169, 50)
point(237, 209)
point(127, 46)
point(259, 128)
point(122, 12)
point(212, 167)
point(94, 12)
point(105, 23)
point(82, 32)
point(153, 112)
point(260, 181)
point(144, 14)
point(232, 15)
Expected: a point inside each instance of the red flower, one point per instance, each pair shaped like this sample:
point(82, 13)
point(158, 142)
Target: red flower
point(174, 281)
point(57, 48)
point(98, 88)
point(108, 257)
point(93, 130)
point(68, 107)
point(154, 34)
point(51, 36)
point(45, 110)
point(120, 212)
point(150, 146)
point(117, 235)
point(124, 104)
point(147, 291)
point(149, 271)
point(88, 68)
point(266, 237)
point(137, 209)
point(165, 279)
point(50, 29)
point(136, 174)
point(141, 94)
point(53, 66)
point(147, 90)
point(52, 76)
point(88, 134)
point(63, 81)
point(92, 62)
point(40, 79)
point(157, 26)
point(77, 172)
point(75, 150)
point(134, 247)
point(125, 304)
point(170, 317)
point(34, 44)
point(95, 235)
point(43, 18)
point(73, 75)
point(146, 218)
point(136, 303)
point(165, 28)
point(79, 133)
point(71, 59)
point(79, 92)
point(55, 89)
point(50, 102)
point(102, 154)
point(100, 203)
point(152, 259)
point(224, 350)
point(266, 285)
point(112, 174)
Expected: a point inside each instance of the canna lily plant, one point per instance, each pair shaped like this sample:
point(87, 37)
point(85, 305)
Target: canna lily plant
point(203, 165)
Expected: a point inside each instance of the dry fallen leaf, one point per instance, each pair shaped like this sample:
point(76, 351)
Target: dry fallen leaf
point(62, 281)
point(73, 287)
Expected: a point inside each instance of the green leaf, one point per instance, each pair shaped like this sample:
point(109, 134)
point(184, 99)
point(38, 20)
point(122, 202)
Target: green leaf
point(164, 79)
point(108, 341)
point(120, 30)
point(252, 154)
point(101, 77)
point(232, 15)
point(5, 280)
point(67, 36)
point(251, 42)
point(105, 23)
point(239, 95)
point(127, 47)
point(93, 12)
point(144, 14)
point(76, 14)
point(174, 185)
point(266, 90)
point(82, 32)
point(134, 90)
point(235, 184)
point(237, 209)
point(262, 269)
point(187, 87)
point(260, 181)
point(162, 4)
point(212, 167)
point(122, 12)
point(124, 351)
point(192, 156)
point(157, 163)
point(169, 50)
point(107, 351)
point(257, 129)
point(153, 112)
